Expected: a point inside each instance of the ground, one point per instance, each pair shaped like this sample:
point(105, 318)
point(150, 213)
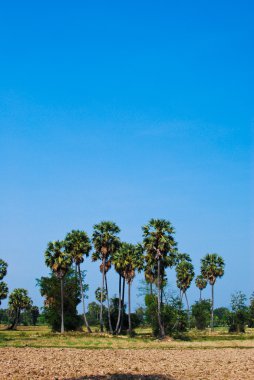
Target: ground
point(31, 353)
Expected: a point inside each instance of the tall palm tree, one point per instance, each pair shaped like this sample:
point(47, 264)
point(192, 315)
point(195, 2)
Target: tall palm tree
point(77, 244)
point(106, 243)
point(201, 283)
point(160, 249)
point(129, 258)
point(212, 267)
point(184, 276)
point(3, 286)
point(59, 261)
point(121, 285)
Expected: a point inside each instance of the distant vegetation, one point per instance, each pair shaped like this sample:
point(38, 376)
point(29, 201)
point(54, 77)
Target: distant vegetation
point(65, 287)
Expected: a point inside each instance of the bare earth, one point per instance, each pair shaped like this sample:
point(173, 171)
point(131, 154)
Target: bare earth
point(54, 363)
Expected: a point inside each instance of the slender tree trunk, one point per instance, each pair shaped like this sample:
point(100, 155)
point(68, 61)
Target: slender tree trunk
point(14, 324)
point(161, 327)
point(83, 300)
point(151, 288)
point(62, 306)
point(188, 308)
point(212, 306)
point(102, 290)
point(200, 295)
point(122, 307)
point(119, 304)
point(129, 308)
point(109, 316)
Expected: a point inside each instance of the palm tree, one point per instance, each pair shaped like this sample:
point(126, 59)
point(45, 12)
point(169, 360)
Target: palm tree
point(128, 259)
point(121, 288)
point(106, 243)
point(160, 249)
point(201, 283)
point(212, 266)
point(18, 301)
point(77, 244)
point(59, 261)
point(184, 276)
point(3, 286)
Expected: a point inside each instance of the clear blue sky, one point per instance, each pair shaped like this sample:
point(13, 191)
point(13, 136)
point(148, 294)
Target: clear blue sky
point(127, 110)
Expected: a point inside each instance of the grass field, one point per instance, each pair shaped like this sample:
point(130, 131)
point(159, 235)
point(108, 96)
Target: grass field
point(41, 336)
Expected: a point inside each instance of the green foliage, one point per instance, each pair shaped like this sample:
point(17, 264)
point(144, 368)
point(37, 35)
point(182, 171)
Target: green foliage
point(221, 315)
point(3, 286)
point(175, 320)
point(201, 314)
point(251, 312)
point(18, 301)
point(57, 259)
point(212, 266)
point(50, 289)
point(100, 296)
point(238, 318)
point(77, 245)
point(127, 259)
point(184, 275)
point(200, 282)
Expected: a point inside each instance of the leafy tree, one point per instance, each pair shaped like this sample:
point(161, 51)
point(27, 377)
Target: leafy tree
point(3, 286)
point(106, 243)
point(201, 313)
point(50, 289)
point(93, 314)
point(239, 316)
point(212, 267)
point(221, 315)
point(160, 249)
point(201, 284)
point(18, 301)
point(129, 258)
point(59, 261)
point(77, 244)
point(251, 312)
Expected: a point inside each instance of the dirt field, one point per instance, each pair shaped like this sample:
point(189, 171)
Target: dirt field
point(174, 364)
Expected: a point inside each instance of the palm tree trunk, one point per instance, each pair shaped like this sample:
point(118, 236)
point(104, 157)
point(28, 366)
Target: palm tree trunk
point(62, 304)
point(129, 308)
point(122, 308)
point(212, 306)
point(188, 308)
point(102, 290)
point(200, 295)
point(109, 316)
point(83, 300)
point(151, 288)
point(119, 304)
point(161, 327)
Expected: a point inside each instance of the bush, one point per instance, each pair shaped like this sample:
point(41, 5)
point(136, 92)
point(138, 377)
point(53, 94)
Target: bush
point(174, 319)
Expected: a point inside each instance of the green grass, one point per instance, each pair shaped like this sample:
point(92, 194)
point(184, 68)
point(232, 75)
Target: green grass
point(41, 336)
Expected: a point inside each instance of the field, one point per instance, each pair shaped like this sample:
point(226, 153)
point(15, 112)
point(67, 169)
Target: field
point(36, 353)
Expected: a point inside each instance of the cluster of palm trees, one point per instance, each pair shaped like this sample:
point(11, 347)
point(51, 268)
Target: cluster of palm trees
point(157, 252)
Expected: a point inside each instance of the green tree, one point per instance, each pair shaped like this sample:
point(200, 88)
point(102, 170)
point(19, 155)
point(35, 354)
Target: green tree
point(212, 267)
point(251, 312)
point(239, 315)
point(106, 242)
point(77, 244)
point(201, 313)
point(50, 289)
point(184, 277)
point(18, 301)
point(160, 249)
point(129, 258)
point(59, 261)
point(201, 284)
point(3, 286)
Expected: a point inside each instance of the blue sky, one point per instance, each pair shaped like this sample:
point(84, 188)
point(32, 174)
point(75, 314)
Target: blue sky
point(126, 111)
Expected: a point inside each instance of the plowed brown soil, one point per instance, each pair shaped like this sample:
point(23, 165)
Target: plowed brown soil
point(48, 363)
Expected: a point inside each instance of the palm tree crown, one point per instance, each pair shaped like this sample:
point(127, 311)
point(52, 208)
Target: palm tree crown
point(185, 275)
point(77, 244)
point(200, 282)
point(212, 266)
point(57, 258)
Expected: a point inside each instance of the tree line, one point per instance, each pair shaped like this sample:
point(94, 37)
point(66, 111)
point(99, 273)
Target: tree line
point(157, 252)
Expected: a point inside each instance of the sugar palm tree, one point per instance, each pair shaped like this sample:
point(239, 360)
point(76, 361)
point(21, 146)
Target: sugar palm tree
point(129, 258)
point(18, 301)
point(77, 244)
point(184, 276)
point(212, 267)
point(59, 261)
point(160, 248)
point(3, 286)
point(201, 283)
point(118, 264)
point(106, 243)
